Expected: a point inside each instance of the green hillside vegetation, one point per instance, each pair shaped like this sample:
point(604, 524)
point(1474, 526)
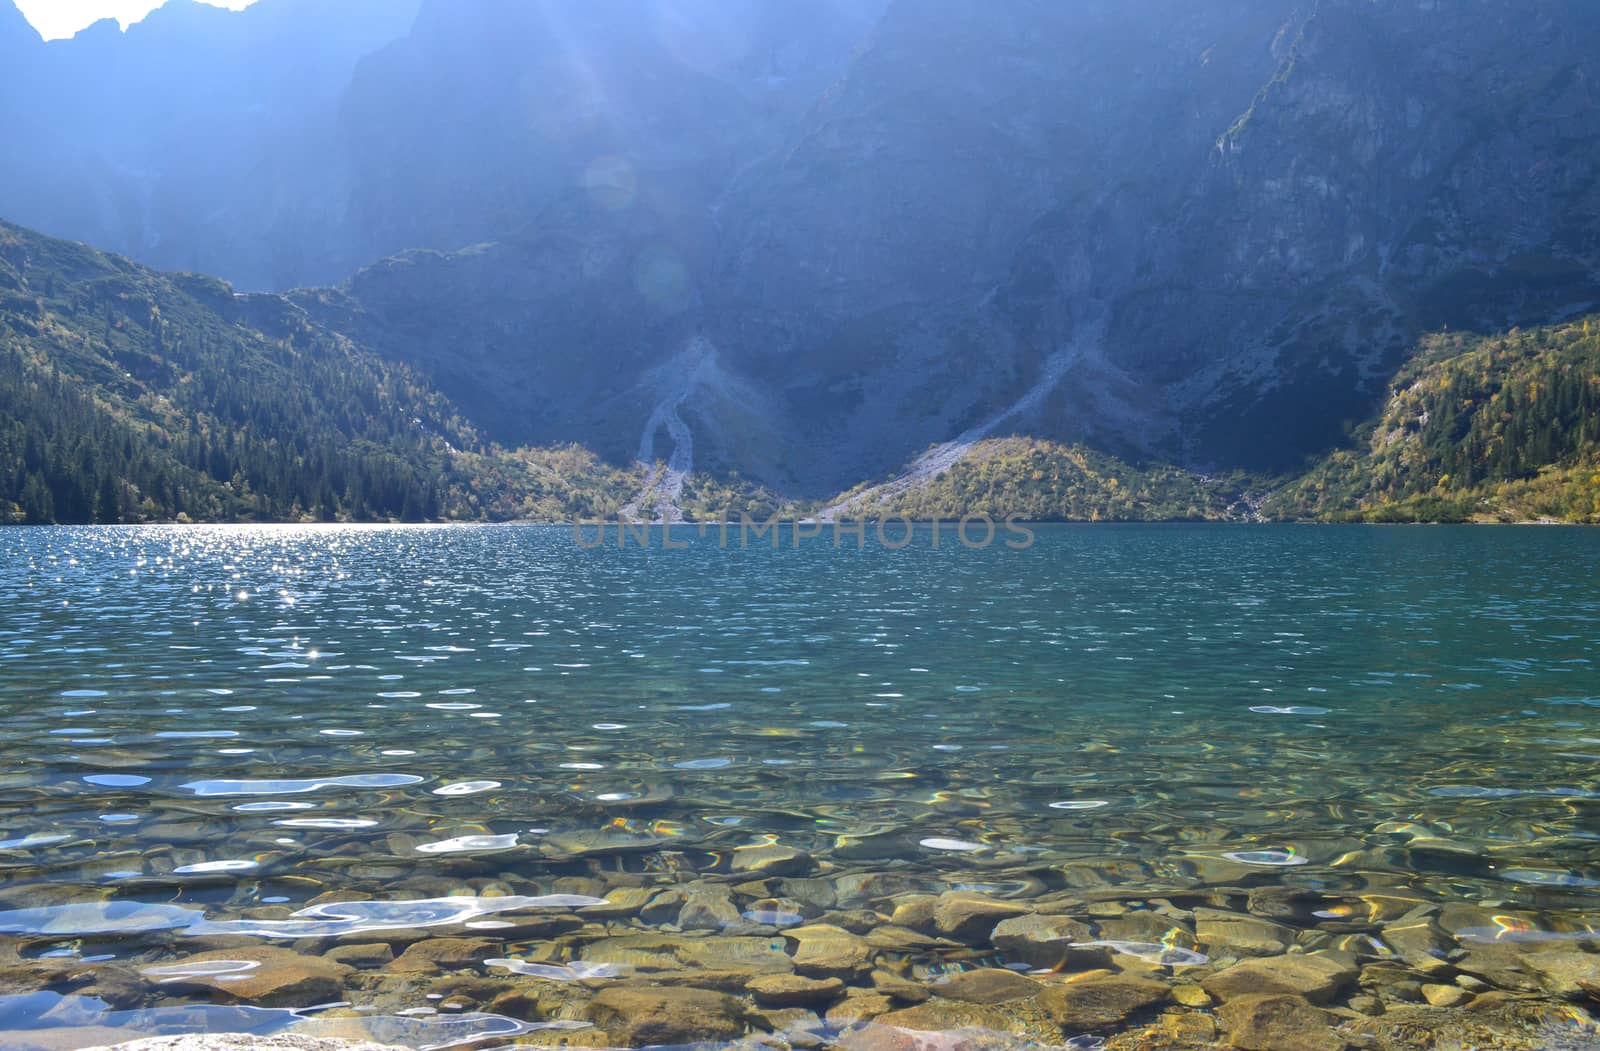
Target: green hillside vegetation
point(1047, 481)
point(130, 396)
point(1497, 428)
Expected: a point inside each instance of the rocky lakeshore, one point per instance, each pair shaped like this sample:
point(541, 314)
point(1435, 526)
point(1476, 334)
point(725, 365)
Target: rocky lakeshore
point(782, 950)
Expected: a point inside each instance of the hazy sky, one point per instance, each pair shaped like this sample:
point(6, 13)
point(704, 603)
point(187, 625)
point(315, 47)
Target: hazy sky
point(59, 18)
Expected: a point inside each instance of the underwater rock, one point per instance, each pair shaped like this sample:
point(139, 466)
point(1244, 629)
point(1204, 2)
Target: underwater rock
point(771, 859)
point(1567, 974)
point(361, 954)
point(969, 918)
point(1502, 966)
point(708, 909)
point(1445, 995)
point(1215, 929)
point(1421, 944)
point(445, 954)
point(825, 951)
point(904, 939)
point(1315, 977)
point(793, 990)
point(945, 1016)
point(620, 902)
point(860, 1005)
point(990, 986)
point(262, 975)
point(1279, 1022)
point(1100, 1001)
point(890, 984)
point(118, 985)
point(643, 1016)
point(1045, 941)
point(739, 955)
point(668, 953)
point(664, 907)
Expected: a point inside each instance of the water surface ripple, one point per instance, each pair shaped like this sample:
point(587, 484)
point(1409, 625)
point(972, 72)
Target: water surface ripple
point(207, 728)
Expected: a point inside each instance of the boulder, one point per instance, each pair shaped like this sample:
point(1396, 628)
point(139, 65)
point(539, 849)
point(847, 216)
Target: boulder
point(262, 975)
point(1502, 966)
point(708, 909)
point(1315, 977)
point(858, 1008)
point(945, 1016)
point(1569, 974)
point(1243, 935)
point(1279, 1022)
point(772, 859)
point(986, 987)
point(641, 1016)
point(970, 918)
point(793, 990)
point(620, 902)
point(1445, 995)
point(825, 951)
point(446, 954)
point(1421, 944)
point(890, 984)
point(1045, 941)
point(361, 954)
point(1100, 1001)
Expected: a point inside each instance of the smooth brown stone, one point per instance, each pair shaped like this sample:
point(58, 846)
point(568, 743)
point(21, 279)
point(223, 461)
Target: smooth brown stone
point(858, 1008)
point(708, 910)
point(993, 986)
point(900, 988)
point(1569, 974)
point(1190, 1027)
point(1279, 1022)
point(825, 951)
point(1216, 930)
point(945, 1016)
point(1445, 995)
point(445, 954)
point(773, 860)
point(1101, 1001)
point(1042, 941)
point(970, 918)
point(904, 939)
point(793, 990)
point(280, 977)
point(640, 1016)
point(1502, 966)
point(365, 954)
point(620, 902)
point(1317, 978)
point(914, 911)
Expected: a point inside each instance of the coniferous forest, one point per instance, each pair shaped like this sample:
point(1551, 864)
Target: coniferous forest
point(129, 396)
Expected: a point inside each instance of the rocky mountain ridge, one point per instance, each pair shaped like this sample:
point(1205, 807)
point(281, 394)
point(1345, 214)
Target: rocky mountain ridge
point(1203, 235)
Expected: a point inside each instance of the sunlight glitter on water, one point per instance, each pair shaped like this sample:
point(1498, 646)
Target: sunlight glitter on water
point(721, 725)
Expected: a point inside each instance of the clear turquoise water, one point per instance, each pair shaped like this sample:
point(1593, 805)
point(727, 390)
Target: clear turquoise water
point(207, 720)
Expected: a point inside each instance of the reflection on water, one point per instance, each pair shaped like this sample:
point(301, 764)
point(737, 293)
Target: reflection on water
point(219, 732)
